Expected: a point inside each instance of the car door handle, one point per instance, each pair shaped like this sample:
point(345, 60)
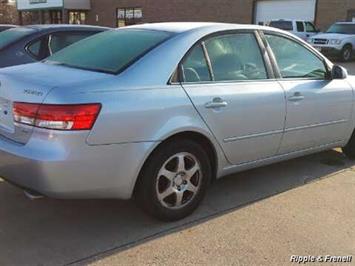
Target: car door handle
point(216, 103)
point(296, 97)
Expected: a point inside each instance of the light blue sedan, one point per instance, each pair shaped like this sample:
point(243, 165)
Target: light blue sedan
point(159, 111)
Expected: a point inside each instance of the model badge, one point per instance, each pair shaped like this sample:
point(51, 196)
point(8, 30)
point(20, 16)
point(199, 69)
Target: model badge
point(33, 92)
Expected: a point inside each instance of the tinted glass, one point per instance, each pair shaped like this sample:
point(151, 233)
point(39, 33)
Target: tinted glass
point(236, 57)
point(284, 25)
point(294, 60)
point(300, 27)
point(110, 51)
point(310, 27)
point(60, 40)
point(35, 48)
point(342, 28)
point(2, 28)
point(194, 68)
point(12, 35)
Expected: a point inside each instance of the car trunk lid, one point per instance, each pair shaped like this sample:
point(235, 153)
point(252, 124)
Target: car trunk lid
point(31, 84)
point(15, 90)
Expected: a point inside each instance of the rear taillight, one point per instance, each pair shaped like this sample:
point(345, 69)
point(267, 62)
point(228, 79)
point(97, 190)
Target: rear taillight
point(54, 116)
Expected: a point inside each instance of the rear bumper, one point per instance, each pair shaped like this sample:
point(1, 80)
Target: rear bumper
point(62, 165)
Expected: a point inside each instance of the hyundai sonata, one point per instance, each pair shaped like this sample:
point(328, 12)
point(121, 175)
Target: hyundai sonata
point(159, 111)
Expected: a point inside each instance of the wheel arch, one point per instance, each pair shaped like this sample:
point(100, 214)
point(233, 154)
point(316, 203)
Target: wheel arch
point(206, 143)
point(348, 44)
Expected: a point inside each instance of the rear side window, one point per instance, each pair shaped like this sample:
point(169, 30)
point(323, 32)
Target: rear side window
point(110, 51)
point(35, 48)
point(300, 26)
point(283, 25)
point(236, 57)
point(38, 48)
point(10, 36)
point(294, 60)
point(195, 68)
point(60, 40)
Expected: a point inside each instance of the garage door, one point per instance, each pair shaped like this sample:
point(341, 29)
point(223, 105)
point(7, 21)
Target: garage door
point(267, 10)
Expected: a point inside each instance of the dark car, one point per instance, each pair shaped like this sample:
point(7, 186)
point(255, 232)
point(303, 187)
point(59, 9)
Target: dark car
point(6, 27)
point(29, 44)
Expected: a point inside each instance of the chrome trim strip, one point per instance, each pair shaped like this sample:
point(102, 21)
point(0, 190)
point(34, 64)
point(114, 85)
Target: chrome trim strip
point(263, 134)
point(316, 125)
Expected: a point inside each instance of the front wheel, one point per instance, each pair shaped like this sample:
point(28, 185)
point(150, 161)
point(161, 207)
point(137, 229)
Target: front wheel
point(346, 53)
point(174, 180)
point(349, 149)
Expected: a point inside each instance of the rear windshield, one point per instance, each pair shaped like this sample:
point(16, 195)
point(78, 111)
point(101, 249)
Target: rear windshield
point(110, 51)
point(283, 25)
point(12, 35)
point(342, 28)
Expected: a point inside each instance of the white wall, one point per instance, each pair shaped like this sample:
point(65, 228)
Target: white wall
point(267, 10)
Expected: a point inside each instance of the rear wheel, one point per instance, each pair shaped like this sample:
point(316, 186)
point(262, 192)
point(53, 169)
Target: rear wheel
point(346, 53)
point(174, 180)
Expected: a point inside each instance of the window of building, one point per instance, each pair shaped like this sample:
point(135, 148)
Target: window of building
point(77, 17)
point(56, 17)
point(129, 16)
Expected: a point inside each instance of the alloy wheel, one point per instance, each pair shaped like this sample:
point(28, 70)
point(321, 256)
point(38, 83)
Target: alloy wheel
point(178, 180)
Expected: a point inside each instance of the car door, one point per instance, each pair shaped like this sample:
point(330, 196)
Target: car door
point(310, 29)
point(318, 108)
point(301, 30)
point(228, 82)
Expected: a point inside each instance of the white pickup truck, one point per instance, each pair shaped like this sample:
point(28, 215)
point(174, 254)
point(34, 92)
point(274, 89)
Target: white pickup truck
point(300, 28)
point(338, 41)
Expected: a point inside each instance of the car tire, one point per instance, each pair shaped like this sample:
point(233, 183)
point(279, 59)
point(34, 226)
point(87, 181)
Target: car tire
point(174, 180)
point(346, 53)
point(349, 148)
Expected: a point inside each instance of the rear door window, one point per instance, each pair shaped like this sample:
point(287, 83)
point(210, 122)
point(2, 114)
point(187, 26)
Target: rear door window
point(236, 57)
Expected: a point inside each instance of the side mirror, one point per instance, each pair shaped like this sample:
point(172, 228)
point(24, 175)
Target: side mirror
point(338, 72)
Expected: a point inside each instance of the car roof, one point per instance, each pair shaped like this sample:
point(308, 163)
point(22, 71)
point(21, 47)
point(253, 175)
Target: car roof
point(63, 26)
point(180, 27)
point(286, 19)
point(8, 25)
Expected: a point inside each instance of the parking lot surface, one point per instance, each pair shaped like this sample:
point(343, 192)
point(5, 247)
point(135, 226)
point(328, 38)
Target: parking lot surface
point(259, 217)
